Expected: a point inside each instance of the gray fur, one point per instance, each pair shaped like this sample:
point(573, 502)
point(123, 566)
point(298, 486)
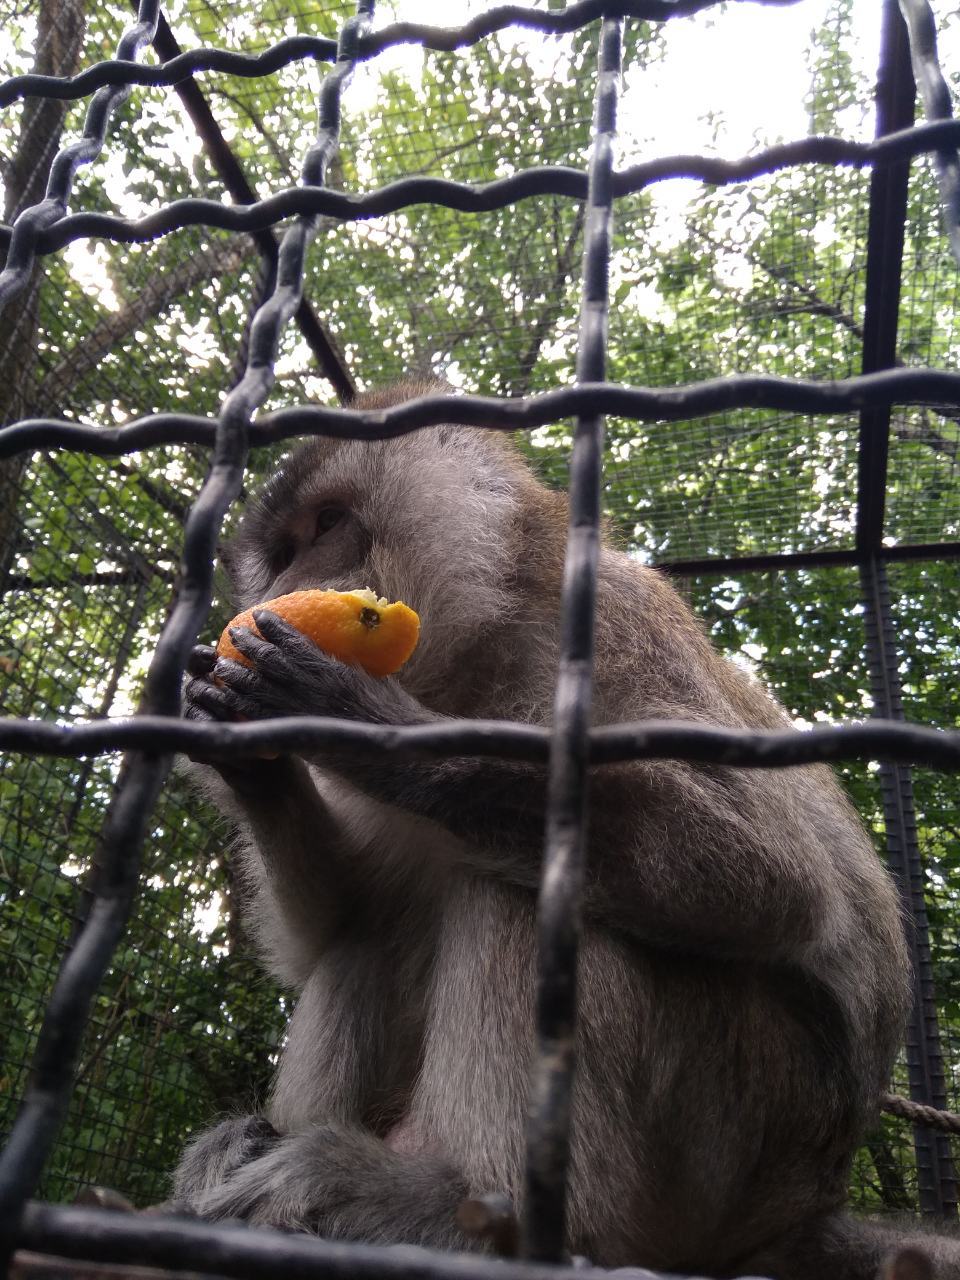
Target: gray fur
point(743, 977)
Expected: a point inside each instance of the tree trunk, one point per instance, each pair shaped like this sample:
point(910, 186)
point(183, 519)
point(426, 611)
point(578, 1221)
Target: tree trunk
point(60, 29)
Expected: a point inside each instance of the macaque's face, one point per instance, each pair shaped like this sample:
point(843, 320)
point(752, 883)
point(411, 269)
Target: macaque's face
point(306, 530)
point(429, 519)
point(322, 543)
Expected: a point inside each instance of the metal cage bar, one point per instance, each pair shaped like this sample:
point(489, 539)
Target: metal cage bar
point(896, 95)
point(936, 1178)
point(558, 906)
point(143, 773)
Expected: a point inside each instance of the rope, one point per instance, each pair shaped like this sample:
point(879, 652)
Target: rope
point(919, 1113)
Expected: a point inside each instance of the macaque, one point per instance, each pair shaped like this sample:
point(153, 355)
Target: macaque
point(743, 978)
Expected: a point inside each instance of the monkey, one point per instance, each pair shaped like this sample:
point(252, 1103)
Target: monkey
point(743, 976)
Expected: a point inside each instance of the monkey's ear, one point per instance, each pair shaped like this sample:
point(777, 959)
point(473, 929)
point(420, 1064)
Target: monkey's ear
point(226, 573)
point(225, 557)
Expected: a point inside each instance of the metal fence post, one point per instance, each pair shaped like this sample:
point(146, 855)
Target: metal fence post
point(935, 1173)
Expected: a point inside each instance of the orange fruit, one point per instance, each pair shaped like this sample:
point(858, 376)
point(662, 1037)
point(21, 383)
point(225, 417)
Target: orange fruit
point(354, 626)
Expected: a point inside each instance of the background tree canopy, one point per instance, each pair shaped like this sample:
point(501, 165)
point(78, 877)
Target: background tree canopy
point(764, 276)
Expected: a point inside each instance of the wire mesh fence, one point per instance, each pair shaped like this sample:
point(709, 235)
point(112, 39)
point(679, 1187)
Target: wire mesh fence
point(746, 486)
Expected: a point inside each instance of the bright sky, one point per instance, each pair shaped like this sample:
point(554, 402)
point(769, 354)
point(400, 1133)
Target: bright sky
point(733, 79)
point(739, 72)
point(746, 61)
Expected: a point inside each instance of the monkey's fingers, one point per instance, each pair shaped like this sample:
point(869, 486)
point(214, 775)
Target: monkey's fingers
point(291, 649)
point(201, 660)
point(219, 702)
point(284, 661)
point(237, 771)
point(251, 646)
point(235, 677)
point(280, 632)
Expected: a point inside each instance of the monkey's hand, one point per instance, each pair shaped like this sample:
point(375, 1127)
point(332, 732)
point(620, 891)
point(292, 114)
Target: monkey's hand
point(292, 677)
point(205, 702)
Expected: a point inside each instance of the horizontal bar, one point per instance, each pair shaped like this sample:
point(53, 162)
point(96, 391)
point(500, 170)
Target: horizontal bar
point(484, 197)
point(174, 70)
point(788, 560)
point(644, 404)
point(609, 744)
point(119, 71)
point(260, 1254)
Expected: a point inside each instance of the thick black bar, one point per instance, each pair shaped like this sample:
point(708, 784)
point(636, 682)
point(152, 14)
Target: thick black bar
point(119, 71)
point(235, 180)
point(789, 560)
point(556, 180)
point(608, 744)
point(647, 404)
point(937, 105)
point(260, 1254)
point(561, 885)
point(896, 96)
point(935, 1174)
point(170, 72)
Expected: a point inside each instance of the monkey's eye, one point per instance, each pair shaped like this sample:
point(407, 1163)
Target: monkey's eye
point(327, 517)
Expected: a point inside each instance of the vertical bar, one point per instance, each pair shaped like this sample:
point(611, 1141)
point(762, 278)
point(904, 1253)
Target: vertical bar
point(116, 869)
point(896, 96)
point(558, 915)
point(935, 1172)
point(937, 105)
point(324, 349)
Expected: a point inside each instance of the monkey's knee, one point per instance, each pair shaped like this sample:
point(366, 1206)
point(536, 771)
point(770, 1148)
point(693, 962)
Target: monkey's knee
point(216, 1154)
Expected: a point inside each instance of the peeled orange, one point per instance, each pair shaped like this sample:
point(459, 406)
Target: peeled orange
point(355, 626)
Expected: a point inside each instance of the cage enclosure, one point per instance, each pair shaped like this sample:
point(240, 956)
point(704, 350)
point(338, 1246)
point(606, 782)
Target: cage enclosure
point(220, 222)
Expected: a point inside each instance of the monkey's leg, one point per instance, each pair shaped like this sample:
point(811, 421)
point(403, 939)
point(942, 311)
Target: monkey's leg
point(852, 1248)
point(219, 1152)
point(348, 1057)
point(341, 1182)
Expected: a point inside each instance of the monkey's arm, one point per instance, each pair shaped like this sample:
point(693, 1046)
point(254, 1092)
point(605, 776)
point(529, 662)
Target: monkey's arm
point(722, 858)
point(296, 852)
